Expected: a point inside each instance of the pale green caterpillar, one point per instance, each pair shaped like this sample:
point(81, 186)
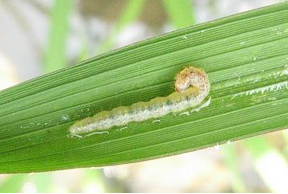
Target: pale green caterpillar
point(191, 85)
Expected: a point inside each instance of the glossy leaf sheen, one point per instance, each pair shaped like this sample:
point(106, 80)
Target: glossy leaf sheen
point(240, 53)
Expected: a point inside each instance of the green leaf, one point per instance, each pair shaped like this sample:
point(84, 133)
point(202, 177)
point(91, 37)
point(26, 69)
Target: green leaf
point(59, 27)
point(180, 12)
point(245, 56)
point(271, 165)
point(231, 161)
point(12, 184)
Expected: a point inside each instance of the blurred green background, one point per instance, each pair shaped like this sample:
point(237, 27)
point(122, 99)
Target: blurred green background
point(40, 36)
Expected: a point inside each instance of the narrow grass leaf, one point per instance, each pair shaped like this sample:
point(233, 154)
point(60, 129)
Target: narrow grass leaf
point(180, 12)
point(245, 56)
point(55, 56)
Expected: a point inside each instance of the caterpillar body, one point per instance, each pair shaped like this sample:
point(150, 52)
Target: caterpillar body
point(191, 85)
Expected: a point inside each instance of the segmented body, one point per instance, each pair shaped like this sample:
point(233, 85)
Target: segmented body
point(191, 85)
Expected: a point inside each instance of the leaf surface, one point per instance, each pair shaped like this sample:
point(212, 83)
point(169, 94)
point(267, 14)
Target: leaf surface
point(245, 56)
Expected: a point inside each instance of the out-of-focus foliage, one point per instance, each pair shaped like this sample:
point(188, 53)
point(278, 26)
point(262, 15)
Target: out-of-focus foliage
point(180, 12)
point(56, 56)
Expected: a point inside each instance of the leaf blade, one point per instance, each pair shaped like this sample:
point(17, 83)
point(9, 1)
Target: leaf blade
point(35, 116)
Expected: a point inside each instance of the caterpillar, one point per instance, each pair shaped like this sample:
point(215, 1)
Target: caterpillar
point(191, 85)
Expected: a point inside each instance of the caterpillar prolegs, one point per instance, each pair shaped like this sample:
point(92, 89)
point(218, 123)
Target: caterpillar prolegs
point(191, 85)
